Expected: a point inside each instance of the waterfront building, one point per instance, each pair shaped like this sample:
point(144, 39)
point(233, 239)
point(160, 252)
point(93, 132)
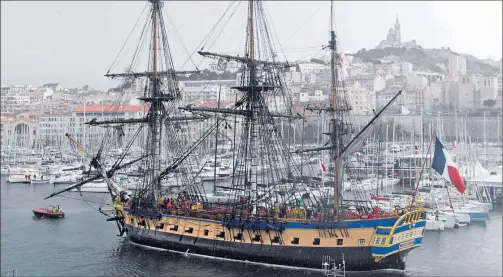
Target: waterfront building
point(20, 130)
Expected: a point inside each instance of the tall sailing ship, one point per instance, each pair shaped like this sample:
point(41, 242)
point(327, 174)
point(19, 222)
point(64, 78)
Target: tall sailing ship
point(269, 216)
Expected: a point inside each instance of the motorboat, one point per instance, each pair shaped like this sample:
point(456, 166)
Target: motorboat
point(54, 211)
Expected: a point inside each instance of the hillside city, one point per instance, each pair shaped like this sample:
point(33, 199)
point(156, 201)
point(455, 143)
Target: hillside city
point(433, 81)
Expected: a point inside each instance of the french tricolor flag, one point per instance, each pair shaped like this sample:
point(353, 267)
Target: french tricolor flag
point(323, 168)
point(444, 165)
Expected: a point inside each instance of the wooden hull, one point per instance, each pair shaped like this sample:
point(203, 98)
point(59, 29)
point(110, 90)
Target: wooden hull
point(365, 244)
point(356, 258)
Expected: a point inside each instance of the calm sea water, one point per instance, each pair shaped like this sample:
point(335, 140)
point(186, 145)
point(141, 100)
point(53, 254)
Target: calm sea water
point(84, 244)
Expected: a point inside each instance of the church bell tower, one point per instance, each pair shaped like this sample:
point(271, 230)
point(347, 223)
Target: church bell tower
point(398, 38)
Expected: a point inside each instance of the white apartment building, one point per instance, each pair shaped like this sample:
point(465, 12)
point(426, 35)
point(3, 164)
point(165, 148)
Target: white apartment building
point(362, 101)
point(394, 69)
point(318, 96)
point(371, 82)
point(292, 77)
point(459, 93)
point(436, 96)
point(488, 88)
point(416, 81)
point(91, 136)
point(406, 68)
point(14, 103)
point(456, 64)
point(431, 76)
point(276, 104)
point(313, 96)
point(207, 90)
point(356, 69)
point(206, 93)
point(414, 98)
point(52, 128)
point(303, 97)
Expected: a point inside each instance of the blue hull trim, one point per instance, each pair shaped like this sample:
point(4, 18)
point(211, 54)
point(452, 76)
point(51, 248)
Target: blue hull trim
point(251, 224)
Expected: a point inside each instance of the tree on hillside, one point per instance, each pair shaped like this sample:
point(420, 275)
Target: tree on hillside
point(314, 60)
point(489, 103)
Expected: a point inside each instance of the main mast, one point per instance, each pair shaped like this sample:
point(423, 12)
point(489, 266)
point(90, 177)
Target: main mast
point(251, 119)
point(156, 106)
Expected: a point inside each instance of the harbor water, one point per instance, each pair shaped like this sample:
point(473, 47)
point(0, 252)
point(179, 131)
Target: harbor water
point(84, 244)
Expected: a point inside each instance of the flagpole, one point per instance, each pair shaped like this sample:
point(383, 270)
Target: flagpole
point(386, 159)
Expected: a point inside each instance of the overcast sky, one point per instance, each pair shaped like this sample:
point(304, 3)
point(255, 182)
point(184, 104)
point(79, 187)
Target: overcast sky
point(75, 43)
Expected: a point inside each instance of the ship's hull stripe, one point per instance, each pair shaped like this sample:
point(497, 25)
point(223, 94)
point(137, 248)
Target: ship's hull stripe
point(251, 224)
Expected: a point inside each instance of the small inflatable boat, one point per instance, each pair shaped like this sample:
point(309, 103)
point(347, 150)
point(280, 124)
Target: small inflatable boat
point(51, 212)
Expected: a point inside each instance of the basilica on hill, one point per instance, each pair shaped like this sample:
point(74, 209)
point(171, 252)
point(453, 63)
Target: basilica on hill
point(394, 39)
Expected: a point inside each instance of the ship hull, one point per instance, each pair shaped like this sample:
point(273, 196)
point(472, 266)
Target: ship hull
point(356, 258)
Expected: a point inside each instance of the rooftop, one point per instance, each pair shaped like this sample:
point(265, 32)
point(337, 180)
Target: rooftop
point(111, 108)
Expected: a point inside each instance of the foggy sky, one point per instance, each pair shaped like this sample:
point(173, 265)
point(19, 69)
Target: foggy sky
point(75, 43)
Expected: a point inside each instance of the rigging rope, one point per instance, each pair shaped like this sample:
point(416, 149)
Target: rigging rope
point(302, 25)
point(127, 39)
point(181, 41)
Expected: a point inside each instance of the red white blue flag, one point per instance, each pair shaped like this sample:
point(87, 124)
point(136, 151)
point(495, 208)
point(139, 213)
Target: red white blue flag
point(323, 168)
point(444, 165)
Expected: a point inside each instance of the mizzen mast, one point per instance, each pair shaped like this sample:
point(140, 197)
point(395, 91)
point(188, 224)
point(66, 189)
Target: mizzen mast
point(336, 148)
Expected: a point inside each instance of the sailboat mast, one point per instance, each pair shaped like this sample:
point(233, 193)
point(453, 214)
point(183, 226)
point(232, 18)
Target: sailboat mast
point(335, 130)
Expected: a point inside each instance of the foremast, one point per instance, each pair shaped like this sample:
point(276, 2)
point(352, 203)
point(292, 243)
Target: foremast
point(161, 87)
